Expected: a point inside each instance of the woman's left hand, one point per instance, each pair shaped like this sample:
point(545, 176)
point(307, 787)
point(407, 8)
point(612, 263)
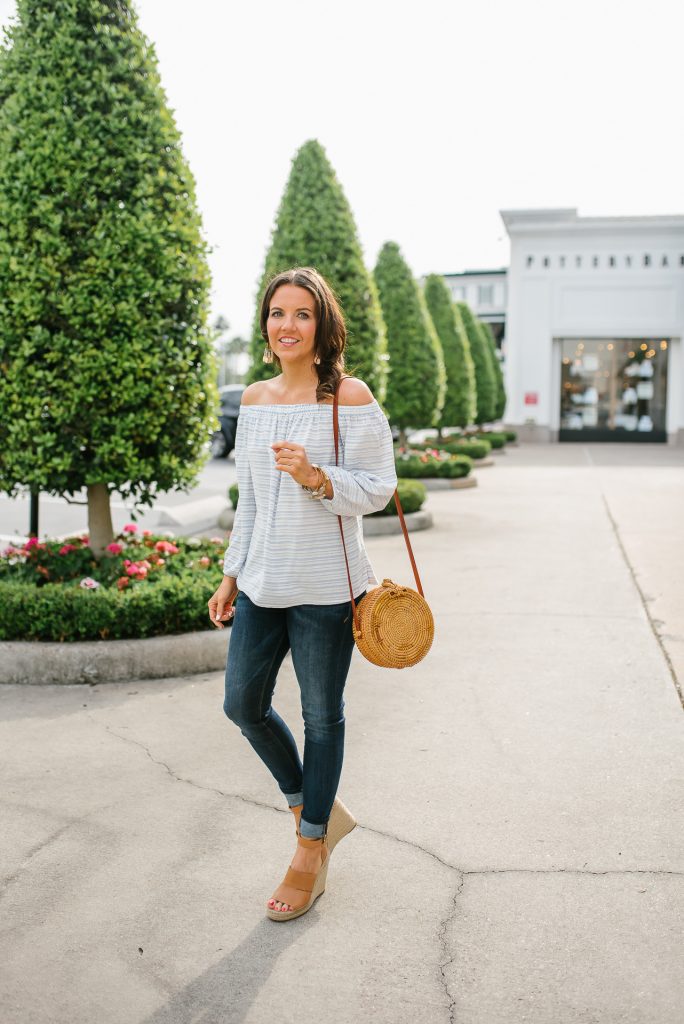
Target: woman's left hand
point(292, 458)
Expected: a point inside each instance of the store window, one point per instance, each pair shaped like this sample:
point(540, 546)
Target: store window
point(613, 389)
point(485, 294)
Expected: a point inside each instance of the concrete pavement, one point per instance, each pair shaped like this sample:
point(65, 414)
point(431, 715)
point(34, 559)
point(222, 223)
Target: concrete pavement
point(519, 794)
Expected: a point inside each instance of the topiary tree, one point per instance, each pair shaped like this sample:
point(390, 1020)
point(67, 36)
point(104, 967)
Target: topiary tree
point(460, 401)
point(485, 383)
point(107, 376)
point(417, 379)
point(315, 227)
point(500, 402)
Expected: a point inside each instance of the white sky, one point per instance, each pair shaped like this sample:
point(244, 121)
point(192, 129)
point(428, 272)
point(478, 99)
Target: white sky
point(435, 116)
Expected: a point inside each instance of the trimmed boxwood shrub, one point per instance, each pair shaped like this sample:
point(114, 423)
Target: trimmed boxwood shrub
point(412, 494)
point(59, 612)
point(414, 465)
point(143, 586)
point(475, 449)
point(496, 439)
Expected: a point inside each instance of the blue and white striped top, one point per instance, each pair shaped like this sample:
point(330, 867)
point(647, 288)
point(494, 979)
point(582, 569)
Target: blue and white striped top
point(285, 548)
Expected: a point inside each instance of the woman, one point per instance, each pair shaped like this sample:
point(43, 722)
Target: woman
point(285, 581)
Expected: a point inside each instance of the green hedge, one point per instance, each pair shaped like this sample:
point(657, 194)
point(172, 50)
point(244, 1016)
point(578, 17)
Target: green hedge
point(475, 449)
point(412, 494)
point(417, 466)
point(495, 438)
point(147, 585)
point(63, 613)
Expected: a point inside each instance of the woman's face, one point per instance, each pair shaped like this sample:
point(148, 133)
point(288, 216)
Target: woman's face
point(291, 324)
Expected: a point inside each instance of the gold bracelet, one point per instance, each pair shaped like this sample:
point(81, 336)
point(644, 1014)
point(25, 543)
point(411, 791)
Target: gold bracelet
point(322, 480)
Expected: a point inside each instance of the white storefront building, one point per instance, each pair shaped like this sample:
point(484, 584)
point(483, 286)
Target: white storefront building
point(594, 326)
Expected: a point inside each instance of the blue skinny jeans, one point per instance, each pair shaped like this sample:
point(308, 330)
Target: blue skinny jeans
point(321, 640)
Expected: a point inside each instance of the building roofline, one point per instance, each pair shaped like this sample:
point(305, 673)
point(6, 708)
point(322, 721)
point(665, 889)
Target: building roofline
point(566, 218)
point(466, 273)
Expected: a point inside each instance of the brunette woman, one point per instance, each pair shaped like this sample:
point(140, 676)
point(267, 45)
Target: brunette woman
point(285, 582)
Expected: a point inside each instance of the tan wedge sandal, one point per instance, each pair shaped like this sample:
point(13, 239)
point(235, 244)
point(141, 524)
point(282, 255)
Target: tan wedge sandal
point(340, 823)
point(310, 884)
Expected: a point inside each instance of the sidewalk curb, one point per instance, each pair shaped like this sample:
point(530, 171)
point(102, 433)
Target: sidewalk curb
point(435, 483)
point(385, 526)
point(113, 661)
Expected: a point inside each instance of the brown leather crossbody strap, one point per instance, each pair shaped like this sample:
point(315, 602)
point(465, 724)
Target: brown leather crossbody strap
point(336, 433)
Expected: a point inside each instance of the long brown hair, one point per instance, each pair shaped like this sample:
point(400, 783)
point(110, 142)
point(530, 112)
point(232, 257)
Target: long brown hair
point(331, 330)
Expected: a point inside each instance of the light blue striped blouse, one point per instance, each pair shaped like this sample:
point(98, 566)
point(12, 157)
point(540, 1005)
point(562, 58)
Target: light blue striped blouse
point(285, 548)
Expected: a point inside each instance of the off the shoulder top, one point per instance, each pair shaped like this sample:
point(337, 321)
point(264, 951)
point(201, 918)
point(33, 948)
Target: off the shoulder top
point(285, 548)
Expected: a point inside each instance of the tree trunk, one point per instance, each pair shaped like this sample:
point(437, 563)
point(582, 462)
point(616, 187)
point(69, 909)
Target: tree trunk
point(100, 529)
point(402, 438)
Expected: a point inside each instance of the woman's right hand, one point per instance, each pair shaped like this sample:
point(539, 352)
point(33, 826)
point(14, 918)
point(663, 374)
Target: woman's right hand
point(221, 603)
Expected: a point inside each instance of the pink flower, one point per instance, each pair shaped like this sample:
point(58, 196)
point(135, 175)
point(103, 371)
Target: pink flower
point(114, 548)
point(160, 561)
point(89, 584)
point(122, 582)
point(132, 568)
point(130, 528)
point(147, 533)
point(32, 542)
point(66, 548)
point(167, 547)
point(217, 540)
point(204, 560)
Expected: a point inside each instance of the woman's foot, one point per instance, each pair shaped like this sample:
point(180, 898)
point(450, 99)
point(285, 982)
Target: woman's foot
point(306, 858)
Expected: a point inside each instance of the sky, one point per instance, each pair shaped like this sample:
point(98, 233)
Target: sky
point(435, 115)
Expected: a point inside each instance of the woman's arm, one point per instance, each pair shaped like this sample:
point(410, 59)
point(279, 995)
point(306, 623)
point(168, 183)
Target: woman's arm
point(366, 479)
point(243, 524)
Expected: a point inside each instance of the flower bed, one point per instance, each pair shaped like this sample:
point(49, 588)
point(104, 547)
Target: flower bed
point(474, 448)
point(145, 585)
point(416, 463)
point(496, 438)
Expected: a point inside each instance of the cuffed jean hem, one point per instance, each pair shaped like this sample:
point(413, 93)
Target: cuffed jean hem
point(310, 830)
point(294, 799)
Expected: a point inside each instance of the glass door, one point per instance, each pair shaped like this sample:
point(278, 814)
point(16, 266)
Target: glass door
point(613, 389)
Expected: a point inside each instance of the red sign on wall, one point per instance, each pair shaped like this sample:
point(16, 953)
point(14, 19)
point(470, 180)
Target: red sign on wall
point(531, 397)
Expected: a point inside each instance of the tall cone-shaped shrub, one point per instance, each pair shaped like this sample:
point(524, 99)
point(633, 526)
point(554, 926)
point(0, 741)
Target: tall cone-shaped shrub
point(315, 228)
point(485, 383)
point(500, 402)
point(106, 371)
point(417, 379)
point(460, 401)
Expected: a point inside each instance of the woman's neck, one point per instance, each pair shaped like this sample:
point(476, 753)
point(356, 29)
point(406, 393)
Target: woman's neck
point(298, 385)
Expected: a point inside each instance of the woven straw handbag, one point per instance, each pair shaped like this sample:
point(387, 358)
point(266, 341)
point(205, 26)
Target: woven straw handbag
point(393, 625)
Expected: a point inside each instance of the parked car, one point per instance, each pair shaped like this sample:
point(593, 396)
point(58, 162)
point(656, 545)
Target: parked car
point(223, 439)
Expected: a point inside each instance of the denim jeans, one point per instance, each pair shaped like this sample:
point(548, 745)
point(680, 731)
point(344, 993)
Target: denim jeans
point(321, 640)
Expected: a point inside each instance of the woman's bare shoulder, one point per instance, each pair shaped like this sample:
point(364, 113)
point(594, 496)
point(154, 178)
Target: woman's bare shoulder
point(354, 392)
point(255, 393)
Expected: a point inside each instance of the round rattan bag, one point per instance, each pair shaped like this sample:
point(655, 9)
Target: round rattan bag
point(395, 626)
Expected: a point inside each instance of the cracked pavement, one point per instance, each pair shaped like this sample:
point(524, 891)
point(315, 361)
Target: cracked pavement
point(519, 852)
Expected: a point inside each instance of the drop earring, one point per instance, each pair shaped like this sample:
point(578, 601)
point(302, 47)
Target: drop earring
point(317, 360)
point(268, 354)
